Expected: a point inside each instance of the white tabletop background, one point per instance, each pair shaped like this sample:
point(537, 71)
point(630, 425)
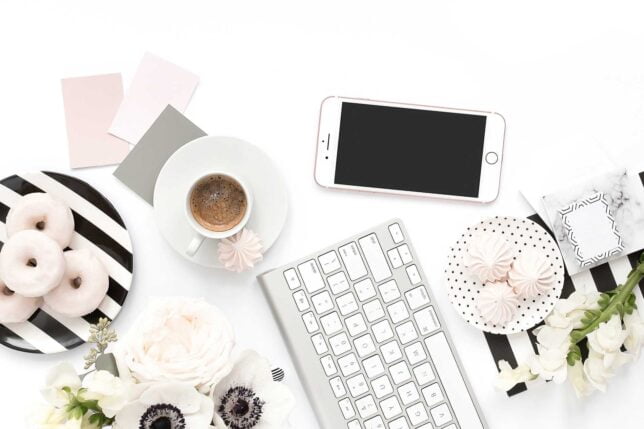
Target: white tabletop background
point(567, 76)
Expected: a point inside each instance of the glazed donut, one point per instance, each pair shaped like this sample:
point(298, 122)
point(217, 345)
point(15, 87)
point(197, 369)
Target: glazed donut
point(83, 286)
point(31, 263)
point(16, 308)
point(41, 212)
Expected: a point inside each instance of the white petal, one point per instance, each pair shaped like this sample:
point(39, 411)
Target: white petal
point(182, 395)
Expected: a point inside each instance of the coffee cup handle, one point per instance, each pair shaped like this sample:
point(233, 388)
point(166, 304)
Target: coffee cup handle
point(195, 244)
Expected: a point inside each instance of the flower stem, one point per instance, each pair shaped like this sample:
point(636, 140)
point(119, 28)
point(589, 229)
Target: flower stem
point(616, 302)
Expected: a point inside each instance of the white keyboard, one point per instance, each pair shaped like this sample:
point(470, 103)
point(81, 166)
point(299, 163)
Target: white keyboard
point(368, 341)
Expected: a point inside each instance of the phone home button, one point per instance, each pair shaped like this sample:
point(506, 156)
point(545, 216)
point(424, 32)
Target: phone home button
point(491, 158)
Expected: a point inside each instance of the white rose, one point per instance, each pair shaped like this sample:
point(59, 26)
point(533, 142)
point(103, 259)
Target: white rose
point(580, 383)
point(607, 339)
point(59, 377)
point(110, 392)
point(508, 377)
point(180, 340)
point(635, 329)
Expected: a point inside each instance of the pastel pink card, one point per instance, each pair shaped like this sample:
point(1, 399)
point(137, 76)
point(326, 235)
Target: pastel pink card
point(90, 105)
point(156, 84)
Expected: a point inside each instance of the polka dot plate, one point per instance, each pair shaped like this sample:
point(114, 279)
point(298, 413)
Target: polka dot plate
point(463, 287)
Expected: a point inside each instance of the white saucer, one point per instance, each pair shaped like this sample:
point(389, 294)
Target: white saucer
point(270, 199)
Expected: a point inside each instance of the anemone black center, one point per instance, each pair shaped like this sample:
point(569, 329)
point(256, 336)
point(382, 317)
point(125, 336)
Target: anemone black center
point(240, 408)
point(161, 423)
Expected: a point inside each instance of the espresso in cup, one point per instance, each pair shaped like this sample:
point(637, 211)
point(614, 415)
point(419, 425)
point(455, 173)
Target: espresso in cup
point(218, 202)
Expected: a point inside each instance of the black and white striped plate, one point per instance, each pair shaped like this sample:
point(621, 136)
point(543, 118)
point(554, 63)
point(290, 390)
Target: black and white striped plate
point(99, 228)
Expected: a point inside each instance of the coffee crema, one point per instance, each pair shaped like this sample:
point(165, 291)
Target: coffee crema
point(218, 202)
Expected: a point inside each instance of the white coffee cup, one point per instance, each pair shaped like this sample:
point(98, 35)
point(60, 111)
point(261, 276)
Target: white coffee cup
point(202, 233)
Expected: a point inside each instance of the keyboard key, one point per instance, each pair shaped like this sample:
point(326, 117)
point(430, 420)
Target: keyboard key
point(319, 344)
point(347, 408)
point(349, 364)
point(340, 344)
point(382, 386)
point(357, 385)
point(322, 302)
point(405, 254)
point(373, 310)
point(417, 414)
point(291, 279)
point(406, 333)
point(398, 312)
point(452, 426)
point(382, 331)
point(373, 366)
point(390, 407)
point(424, 373)
point(365, 289)
point(338, 283)
point(310, 322)
point(408, 393)
point(356, 325)
point(311, 276)
point(415, 353)
point(413, 274)
point(364, 345)
point(354, 424)
point(366, 406)
point(300, 300)
point(391, 352)
point(400, 372)
point(337, 387)
point(427, 320)
point(433, 394)
point(389, 291)
point(417, 297)
point(347, 304)
point(429, 426)
point(331, 323)
point(374, 423)
point(441, 415)
point(396, 233)
point(394, 258)
point(329, 262)
point(459, 397)
point(375, 257)
point(329, 366)
point(400, 423)
point(353, 261)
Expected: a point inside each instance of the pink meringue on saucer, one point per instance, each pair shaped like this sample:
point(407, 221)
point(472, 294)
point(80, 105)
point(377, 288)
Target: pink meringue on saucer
point(489, 257)
point(241, 251)
point(531, 274)
point(497, 302)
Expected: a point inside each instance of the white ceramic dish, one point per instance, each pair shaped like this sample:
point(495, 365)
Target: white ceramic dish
point(226, 154)
point(463, 287)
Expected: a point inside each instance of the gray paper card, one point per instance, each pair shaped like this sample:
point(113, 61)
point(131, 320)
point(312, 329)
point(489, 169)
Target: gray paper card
point(170, 131)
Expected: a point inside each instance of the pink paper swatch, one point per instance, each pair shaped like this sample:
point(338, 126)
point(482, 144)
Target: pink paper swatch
point(156, 84)
point(90, 105)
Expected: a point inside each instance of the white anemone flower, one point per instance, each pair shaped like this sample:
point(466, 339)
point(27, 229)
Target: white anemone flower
point(249, 398)
point(169, 405)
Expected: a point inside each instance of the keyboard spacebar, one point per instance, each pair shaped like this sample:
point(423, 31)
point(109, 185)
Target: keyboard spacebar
point(452, 379)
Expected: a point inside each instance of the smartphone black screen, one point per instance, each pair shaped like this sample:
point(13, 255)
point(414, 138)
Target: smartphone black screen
point(410, 149)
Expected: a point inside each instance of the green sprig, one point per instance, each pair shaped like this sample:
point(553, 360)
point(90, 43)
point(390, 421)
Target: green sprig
point(101, 335)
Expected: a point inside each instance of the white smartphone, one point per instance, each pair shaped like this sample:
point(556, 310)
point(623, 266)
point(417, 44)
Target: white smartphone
point(409, 149)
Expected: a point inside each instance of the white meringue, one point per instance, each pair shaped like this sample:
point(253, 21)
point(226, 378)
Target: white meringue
point(241, 251)
point(531, 274)
point(489, 257)
point(497, 302)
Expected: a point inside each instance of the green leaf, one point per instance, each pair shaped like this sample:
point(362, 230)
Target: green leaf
point(107, 362)
point(574, 354)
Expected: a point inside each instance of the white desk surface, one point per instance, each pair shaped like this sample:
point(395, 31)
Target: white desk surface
point(567, 76)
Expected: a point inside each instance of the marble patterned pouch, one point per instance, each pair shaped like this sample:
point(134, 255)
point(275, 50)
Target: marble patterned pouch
point(624, 196)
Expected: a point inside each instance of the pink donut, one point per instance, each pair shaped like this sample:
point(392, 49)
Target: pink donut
point(31, 263)
point(41, 212)
point(15, 308)
point(83, 286)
